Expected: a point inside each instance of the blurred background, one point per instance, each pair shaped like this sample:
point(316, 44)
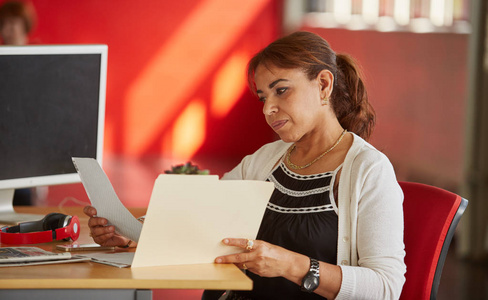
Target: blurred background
point(176, 92)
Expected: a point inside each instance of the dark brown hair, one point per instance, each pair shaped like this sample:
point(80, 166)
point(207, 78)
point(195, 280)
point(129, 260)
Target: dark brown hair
point(17, 9)
point(312, 54)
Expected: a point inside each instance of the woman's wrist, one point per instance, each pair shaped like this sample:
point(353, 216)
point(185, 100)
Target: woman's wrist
point(298, 267)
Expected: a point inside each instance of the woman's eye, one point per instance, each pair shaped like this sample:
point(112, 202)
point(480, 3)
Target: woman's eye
point(280, 91)
point(262, 99)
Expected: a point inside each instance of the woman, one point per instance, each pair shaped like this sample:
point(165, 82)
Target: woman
point(334, 225)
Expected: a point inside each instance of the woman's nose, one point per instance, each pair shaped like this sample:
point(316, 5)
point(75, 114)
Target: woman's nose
point(269, 107)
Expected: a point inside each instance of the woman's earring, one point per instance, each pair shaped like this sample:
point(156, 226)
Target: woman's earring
point(325, 101)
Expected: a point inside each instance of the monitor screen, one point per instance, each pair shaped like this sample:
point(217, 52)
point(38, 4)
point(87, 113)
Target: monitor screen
point(52, 108)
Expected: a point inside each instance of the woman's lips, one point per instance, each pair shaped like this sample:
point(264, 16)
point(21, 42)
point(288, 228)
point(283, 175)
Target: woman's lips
point(278, 124)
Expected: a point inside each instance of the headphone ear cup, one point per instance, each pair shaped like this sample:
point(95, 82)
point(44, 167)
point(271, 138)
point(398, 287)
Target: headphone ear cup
point(63, 222)
point(53, 221)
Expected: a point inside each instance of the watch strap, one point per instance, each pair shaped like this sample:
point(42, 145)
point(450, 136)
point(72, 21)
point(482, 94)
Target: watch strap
point(315, 267)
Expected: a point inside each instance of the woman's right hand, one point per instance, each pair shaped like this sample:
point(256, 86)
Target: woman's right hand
point(101, 233)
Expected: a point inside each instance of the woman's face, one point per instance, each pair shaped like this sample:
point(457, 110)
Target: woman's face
point(292, 102)
point(13, 31)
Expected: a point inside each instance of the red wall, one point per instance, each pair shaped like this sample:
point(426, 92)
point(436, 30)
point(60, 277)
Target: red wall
point(165, 56)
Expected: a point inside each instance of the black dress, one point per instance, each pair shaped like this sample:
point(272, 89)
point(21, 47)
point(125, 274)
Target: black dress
point(301, 216)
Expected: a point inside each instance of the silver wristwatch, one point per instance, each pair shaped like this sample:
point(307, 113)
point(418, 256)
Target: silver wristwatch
point(311, 280)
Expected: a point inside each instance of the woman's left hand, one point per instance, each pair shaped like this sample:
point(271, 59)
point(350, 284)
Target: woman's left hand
point(261, 258)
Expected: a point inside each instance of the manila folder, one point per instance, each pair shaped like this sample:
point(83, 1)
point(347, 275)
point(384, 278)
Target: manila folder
point(189, 216)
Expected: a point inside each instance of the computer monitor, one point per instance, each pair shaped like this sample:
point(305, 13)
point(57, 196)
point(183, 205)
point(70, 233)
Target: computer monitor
point(52, 108)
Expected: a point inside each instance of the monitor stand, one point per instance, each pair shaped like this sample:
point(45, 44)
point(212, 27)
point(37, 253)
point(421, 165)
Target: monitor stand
point(7, 213)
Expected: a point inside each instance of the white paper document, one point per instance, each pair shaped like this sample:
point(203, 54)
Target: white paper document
point(189, 215)
point(29, 256)
point(103, 197)
point(119, 260)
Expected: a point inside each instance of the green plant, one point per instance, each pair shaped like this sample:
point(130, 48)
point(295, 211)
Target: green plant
point(187, 168)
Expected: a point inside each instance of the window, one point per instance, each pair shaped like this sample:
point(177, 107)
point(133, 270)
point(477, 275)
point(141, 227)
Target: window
point(381, 15)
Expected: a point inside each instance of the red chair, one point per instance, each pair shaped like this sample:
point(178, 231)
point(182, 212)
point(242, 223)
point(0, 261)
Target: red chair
point(431, 216)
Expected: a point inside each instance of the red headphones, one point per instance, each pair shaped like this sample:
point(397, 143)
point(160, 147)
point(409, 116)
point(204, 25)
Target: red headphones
point(53, 227)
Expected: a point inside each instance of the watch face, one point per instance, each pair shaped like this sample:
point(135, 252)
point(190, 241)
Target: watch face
point(310, 282)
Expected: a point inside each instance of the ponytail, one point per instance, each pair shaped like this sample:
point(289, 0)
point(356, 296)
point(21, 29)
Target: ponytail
point(350, 99)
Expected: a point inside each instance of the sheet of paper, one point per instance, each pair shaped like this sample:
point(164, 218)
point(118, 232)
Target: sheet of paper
point(103, 197)
point(189, 215)
point(119, 260)
point(74, 259)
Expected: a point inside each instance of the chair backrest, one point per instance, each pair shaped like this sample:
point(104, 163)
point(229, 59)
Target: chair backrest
point(431, 215)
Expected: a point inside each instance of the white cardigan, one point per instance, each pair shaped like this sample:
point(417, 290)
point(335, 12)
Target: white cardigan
point(370, 248)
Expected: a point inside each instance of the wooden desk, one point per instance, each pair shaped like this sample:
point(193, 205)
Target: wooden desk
point(88, 277)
